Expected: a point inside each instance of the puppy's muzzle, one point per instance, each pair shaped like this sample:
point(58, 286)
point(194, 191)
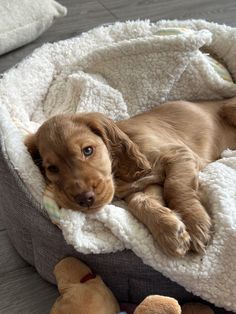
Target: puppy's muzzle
point(85, 199)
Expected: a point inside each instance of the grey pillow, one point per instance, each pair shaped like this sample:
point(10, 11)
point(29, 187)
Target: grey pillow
point(22, 21)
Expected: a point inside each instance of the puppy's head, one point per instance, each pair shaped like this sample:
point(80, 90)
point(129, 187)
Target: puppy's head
point(79, 156)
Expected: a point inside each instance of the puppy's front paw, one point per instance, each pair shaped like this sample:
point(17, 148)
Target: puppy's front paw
point(171, 235)
point(198, 224)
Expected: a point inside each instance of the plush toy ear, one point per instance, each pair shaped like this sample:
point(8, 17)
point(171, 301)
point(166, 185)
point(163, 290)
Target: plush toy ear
point(69, 271)
point(159, 305)
point(127, 161)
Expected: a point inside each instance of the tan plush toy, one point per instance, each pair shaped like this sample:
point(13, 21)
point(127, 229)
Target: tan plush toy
point(82, 292)
point(156, 304)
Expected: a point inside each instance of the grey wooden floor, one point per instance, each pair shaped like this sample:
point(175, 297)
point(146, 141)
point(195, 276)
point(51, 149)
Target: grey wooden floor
point(21, 288)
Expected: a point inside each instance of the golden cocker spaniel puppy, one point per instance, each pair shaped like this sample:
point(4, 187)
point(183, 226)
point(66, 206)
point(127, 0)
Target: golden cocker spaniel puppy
point(151, 160)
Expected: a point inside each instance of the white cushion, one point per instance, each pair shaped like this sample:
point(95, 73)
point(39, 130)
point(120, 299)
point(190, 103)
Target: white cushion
point(22, 21)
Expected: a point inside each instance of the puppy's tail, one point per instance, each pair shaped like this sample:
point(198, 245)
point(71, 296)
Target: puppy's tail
point(228, 111)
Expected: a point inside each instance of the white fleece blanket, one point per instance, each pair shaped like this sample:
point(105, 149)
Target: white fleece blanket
point(120, 70)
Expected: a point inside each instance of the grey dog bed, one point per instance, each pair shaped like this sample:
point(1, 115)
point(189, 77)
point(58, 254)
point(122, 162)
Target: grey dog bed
point(42, 245)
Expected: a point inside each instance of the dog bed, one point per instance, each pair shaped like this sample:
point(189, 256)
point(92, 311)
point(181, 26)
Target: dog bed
point(120, 70)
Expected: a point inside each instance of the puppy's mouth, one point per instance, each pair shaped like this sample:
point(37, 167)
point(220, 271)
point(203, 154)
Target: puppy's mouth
point(65, 201)
point(97, 206)
point(88, 209)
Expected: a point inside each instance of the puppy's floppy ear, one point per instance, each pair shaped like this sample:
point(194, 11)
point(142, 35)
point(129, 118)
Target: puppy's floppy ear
point(127, 160)
point(31, 144)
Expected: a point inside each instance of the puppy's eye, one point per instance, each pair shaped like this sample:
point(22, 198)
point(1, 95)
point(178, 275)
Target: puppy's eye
point(53, 169)
point(87, 151)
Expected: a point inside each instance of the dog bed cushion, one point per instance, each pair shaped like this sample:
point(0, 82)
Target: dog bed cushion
point(120, 70)
point(22, 21)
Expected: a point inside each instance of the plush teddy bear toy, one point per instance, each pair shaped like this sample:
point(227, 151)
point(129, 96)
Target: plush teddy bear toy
point(82, 292)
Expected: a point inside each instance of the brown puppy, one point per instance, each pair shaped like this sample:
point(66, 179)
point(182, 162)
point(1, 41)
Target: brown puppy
point(83, 155)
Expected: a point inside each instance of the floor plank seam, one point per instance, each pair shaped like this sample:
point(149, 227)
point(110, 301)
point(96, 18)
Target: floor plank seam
point(108, 10)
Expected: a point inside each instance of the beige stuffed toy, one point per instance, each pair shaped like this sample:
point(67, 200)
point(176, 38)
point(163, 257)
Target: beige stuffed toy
point(82, 292)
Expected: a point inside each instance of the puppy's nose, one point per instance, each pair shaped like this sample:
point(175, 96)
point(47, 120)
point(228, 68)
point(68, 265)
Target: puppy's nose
point(85, 199)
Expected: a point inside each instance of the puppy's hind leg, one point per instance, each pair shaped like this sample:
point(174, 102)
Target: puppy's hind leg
point(180, 193)
point(228, 111)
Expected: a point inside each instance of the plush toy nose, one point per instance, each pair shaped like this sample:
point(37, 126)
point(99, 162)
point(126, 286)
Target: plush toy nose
point(85, 199)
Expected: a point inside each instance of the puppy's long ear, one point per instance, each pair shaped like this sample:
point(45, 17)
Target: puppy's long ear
point(31, 144)
point(127, 160)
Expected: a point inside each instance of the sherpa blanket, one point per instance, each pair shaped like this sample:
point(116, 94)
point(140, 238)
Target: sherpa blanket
point(120, 70)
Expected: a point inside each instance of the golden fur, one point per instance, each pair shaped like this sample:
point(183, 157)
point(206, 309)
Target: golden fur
point(153, 159)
